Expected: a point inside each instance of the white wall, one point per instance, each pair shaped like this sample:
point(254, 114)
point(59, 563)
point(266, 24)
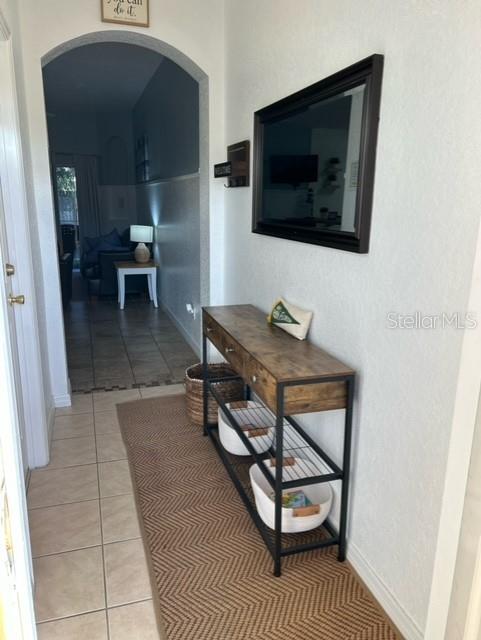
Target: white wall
point(74, 133)
point(425, 218)
point(172, 205)
point(168, 114)
point(185, 25)
point(110, 137)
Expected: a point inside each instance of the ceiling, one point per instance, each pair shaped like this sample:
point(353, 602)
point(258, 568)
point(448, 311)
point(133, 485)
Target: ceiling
point(106, 76)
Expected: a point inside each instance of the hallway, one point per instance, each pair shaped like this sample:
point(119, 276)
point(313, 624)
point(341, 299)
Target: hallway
point(90, 570)
point(112, 349)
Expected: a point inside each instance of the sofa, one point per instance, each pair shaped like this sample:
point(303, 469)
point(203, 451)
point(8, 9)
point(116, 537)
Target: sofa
point(112, 241)
point(97, 263)
point(102, 278)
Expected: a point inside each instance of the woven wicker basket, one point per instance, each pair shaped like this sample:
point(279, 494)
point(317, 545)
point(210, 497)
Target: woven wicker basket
point(230, 391)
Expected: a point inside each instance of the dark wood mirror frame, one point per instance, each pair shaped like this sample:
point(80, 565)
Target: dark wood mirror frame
point(368, 72)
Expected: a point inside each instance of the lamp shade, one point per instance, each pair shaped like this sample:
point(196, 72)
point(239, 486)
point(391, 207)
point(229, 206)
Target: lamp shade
point(141, 233)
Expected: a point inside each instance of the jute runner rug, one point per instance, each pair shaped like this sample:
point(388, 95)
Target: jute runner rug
point(211, 570)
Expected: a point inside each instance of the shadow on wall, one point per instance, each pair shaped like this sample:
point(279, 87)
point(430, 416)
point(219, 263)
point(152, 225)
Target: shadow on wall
point(173, 209)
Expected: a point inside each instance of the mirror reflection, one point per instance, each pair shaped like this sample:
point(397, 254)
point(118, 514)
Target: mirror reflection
point(311, 163)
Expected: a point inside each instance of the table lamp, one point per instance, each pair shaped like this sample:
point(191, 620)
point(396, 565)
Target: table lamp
point(141, 234)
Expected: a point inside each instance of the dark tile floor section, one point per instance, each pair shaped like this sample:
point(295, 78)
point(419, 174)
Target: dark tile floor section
point(112, 349)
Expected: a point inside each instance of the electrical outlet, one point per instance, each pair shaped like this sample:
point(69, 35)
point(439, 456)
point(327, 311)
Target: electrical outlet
point(192, 309)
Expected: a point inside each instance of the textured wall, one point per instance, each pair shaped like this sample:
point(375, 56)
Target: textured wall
point(172, 206)
point(422, 243)
point(168, 114)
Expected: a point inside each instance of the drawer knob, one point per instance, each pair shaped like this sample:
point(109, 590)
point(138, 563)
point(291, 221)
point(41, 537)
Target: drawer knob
point(208, 329)
point(254, 378)
point(229, 349)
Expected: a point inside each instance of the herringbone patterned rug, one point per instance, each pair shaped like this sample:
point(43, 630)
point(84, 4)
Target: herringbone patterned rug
point(211, 569)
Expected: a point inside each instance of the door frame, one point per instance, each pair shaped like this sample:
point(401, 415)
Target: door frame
point(20, 593)
point(206, 267)
point(32, 380)
point(458, 460)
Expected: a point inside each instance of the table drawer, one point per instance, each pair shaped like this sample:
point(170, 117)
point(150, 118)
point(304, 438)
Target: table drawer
point(305, 398)
point(297, 398)
point(213, 331)
point(261, 382)
point(234, 354)
point(229, 348)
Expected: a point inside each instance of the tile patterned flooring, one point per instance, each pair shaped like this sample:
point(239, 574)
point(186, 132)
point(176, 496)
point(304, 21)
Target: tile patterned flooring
point(90, 570)
point(108, 348)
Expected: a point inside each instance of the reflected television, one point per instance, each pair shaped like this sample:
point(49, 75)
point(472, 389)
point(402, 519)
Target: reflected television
point(314, 160)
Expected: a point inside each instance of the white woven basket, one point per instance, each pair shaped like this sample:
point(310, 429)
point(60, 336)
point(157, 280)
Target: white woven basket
point(319, 494)
point(229, 438)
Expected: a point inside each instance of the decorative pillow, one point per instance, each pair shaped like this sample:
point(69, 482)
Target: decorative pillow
point(290, 318)
point(113, 237)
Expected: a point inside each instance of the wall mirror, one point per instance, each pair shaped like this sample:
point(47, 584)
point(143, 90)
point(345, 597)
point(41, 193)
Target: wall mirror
point(314, 160)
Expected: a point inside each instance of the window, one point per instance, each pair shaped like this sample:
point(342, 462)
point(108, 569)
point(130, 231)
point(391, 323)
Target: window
point(67, 195)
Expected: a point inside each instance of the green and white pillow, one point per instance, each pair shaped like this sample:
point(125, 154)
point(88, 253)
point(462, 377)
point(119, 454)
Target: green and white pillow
point(290, 318)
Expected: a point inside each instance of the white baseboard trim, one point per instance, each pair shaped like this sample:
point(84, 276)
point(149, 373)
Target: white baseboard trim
point(383, 595)
point(187, 337)
point(64, 400)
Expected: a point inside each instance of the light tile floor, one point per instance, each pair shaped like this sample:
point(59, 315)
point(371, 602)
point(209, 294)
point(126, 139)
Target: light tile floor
point(90, 569)
point(111, 348)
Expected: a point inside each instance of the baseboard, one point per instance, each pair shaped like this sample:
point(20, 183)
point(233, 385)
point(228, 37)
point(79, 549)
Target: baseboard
point(179, 326)
point(406, 625)
point(64, 400)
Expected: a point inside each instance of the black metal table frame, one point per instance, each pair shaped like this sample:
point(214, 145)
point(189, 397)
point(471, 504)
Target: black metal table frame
point(338, 473)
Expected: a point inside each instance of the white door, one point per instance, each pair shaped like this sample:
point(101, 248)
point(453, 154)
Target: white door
point(8, 275)
point(16, 578)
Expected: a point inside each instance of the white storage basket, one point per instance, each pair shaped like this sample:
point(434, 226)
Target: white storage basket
point(252, 413)
point(293, 521)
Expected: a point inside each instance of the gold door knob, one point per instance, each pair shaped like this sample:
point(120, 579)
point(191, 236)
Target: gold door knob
point(9, 269)
point(16, 299)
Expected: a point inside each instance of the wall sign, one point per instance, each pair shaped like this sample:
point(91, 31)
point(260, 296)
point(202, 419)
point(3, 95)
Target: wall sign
point(222, 169)
point(135, 12)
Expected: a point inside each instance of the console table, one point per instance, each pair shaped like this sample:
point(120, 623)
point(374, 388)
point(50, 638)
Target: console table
point(135, 269)
point(290, 377)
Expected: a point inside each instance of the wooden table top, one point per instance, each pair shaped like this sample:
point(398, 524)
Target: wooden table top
point(285, 357)
point(135, 265)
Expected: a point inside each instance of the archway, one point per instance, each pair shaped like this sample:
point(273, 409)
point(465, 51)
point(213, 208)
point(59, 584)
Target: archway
point(187, 65)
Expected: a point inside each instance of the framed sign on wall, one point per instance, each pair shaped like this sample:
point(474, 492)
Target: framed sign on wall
point(135, 12)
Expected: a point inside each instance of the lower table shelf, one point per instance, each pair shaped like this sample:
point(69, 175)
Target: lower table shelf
point(238, 469)
point(314, 464)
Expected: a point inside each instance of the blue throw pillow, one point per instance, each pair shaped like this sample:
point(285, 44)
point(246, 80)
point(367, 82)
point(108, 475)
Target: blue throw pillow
point(113, 238)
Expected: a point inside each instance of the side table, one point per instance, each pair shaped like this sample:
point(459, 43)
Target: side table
point(137, 268)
